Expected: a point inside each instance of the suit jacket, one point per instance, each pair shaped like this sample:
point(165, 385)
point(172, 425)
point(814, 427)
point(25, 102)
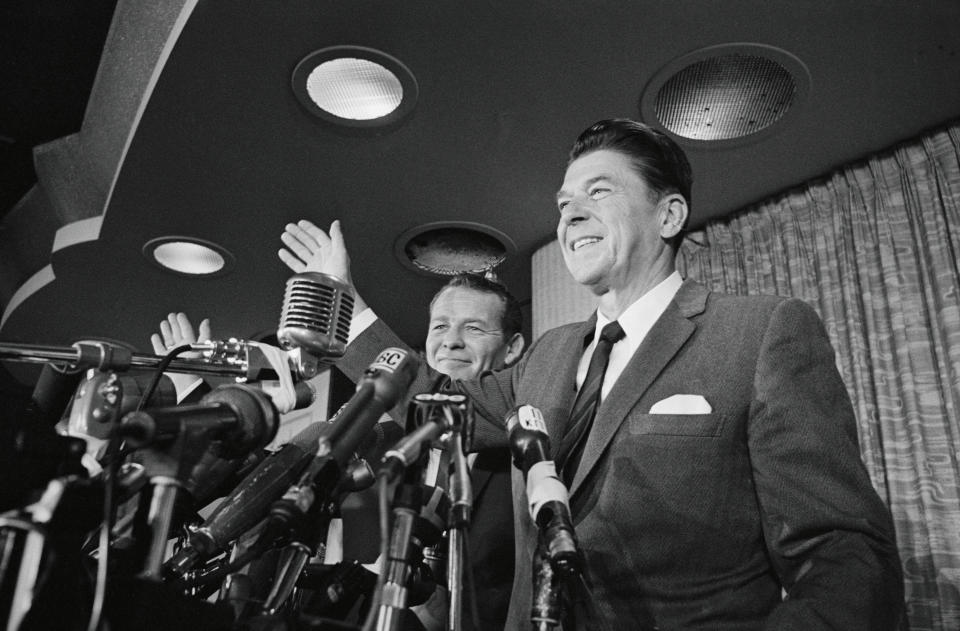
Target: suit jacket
point(700, 521)
point(490, 539)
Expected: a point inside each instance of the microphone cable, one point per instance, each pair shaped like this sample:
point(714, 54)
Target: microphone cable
point(158, 373)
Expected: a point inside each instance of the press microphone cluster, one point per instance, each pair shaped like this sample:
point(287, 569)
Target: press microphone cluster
point(296, 464)
point(380, 388)
point(546, 494)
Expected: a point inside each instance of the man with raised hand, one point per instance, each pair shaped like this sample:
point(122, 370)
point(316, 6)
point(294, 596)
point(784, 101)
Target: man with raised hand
point(474, 326)
point(708, 441)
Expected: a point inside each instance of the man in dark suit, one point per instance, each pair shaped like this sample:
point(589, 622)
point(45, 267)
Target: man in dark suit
point(717, 483)
point(475, 327)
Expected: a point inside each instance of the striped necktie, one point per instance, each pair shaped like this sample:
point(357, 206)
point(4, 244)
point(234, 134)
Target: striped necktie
point(587, 401)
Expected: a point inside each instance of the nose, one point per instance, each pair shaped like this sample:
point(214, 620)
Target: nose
point(452, 338)
point(573, 213)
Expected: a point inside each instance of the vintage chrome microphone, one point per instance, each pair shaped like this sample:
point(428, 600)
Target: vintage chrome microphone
point(317, 309)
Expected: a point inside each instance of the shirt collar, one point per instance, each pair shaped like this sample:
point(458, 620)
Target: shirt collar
point(639, 317)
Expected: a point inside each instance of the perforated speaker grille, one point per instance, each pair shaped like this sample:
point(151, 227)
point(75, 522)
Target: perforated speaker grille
point(725, 96)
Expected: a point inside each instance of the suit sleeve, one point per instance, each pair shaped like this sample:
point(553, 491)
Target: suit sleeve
point(829, 535)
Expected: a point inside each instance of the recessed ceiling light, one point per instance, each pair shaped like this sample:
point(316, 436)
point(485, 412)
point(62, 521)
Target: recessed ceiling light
point(189, 256)
point(446, 248)
point(728, 93)
point(353, 86)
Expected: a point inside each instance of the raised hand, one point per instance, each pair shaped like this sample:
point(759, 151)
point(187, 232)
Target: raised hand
point(177, 330)
point(310, 249)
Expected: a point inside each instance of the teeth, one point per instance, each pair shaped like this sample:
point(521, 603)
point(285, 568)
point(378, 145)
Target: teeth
point(579, 243)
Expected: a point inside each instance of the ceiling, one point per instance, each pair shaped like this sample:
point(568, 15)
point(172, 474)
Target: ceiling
point(181, 121)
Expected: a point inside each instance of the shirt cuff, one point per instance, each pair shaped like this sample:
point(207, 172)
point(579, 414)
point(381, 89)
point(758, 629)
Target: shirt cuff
point(360, 323)
point(182, 387)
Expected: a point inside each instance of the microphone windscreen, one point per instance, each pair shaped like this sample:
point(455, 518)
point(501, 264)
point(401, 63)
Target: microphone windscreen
point(317, 309)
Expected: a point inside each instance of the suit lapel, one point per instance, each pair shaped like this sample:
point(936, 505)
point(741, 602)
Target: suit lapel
point(664, 340)
point(561, 372)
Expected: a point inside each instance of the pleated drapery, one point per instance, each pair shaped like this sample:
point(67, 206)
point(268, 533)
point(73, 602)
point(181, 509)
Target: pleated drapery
point(874, 247)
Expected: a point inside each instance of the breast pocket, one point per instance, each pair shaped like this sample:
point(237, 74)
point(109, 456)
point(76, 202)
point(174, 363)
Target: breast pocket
point(705, 425)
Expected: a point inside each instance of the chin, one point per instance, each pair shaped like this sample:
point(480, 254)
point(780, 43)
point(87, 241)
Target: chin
point(594, 282)
point(458, 372)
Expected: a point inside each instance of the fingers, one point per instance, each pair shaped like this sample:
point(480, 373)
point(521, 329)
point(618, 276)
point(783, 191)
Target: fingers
point(177, 330)
point(316, 234)
point(300, 244)
point(166, 332)
point(292, 261)
point(159, 347)
point(336, 233)
point(205, 334)
point(187, 334)
point(310, 249)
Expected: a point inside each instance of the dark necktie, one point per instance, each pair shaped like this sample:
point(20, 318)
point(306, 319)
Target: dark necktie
point(588, 399)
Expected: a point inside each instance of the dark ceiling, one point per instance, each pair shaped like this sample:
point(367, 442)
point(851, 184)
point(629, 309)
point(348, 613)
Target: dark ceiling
point(189, 127)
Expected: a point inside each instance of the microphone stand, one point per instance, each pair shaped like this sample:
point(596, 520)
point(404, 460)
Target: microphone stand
point(418, 522)
point(404, 546)
point(459, 414)
point(231, 358)
point(168, 467)
point(107, 356)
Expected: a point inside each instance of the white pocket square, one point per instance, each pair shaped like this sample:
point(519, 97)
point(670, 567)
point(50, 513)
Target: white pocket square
point(682, 404)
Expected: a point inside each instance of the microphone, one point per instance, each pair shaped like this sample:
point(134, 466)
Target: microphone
point(409, 448)
point(378, 390)
point(546, 493)
point(317, 309)
point(243, 418)
point(246, 504)
point(381, 386)
point(53, 392)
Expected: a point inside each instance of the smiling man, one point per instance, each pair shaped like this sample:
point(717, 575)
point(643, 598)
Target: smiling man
point(708, 441)
point(474, 327)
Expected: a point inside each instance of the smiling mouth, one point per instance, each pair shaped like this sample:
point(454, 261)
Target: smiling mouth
point(584, 241)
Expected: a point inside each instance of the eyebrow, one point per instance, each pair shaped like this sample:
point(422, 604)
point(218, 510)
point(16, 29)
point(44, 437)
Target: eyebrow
point(475, 321)
point(588, 184)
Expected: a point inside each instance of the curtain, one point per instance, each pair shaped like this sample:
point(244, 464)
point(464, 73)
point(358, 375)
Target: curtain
point(874, 247)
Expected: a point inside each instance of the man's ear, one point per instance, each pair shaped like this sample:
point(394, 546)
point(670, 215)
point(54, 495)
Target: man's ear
point(514, 348)
point(673, 215)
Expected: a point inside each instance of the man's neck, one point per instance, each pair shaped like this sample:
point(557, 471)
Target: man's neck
point(616, 300)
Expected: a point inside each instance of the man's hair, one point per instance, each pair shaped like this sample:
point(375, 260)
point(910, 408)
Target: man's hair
point(655, 156)
point(511, 320)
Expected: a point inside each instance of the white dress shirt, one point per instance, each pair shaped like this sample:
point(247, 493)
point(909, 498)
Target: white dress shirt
point(636, 320)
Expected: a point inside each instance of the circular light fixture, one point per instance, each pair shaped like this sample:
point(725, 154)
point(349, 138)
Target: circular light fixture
point(188, 256)
point(731, 93)
point(354, 86)
point(445, 248)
